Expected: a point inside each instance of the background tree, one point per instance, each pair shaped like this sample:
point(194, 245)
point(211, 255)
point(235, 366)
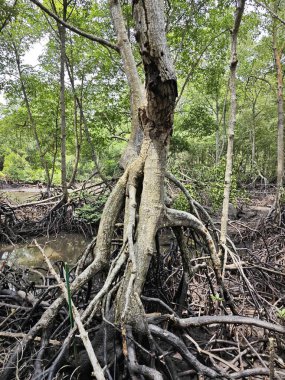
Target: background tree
point(233, 110)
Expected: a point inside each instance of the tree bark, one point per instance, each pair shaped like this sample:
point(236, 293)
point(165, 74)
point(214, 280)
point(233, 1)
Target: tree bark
point(280, 125)
point(232, 123)
point(62, 36)
point(136, 87)
point(156, 119)
point(77, 127)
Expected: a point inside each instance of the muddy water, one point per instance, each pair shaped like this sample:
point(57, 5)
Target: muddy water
point(20, 194)
point(65, 247)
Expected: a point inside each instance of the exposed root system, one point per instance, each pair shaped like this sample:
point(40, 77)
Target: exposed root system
point(187, 329)
point(50, 215)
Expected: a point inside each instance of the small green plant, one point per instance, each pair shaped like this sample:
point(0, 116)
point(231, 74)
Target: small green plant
point(216, 297)
point(281, 313)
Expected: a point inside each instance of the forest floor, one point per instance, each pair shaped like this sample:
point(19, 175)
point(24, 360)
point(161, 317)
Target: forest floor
point(254, 273)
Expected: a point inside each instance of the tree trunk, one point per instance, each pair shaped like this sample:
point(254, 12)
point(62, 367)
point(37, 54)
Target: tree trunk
point(78, 138)
point(231, 129)
point(55, 144)
point(136, 87)
point(77, 128)
point(156, 119)
point(62, 36)
point(31, 118)
point(217, 153)
point(280, 126)
point(62, 39)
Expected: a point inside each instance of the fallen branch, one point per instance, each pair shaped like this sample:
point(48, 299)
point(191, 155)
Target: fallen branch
point(225, 319)
point(97, 370)
point(4, 334)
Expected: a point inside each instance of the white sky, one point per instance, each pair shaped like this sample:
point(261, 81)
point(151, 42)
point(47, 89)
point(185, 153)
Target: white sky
point(30, 58)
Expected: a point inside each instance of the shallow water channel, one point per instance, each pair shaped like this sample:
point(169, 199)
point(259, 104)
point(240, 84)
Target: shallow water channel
point(20, 194)
point(65, 246)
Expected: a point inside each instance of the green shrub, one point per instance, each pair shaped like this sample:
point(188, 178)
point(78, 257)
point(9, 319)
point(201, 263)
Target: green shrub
point(181, 202)
point(16, 167)
point(91, 212)
point(208, 187)
point(281, 313)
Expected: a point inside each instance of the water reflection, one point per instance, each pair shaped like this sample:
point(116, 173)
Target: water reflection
point(65, 247)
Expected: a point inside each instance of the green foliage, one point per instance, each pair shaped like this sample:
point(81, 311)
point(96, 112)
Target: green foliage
point(7, 12)
point(198, 121)
point(91, 212)
point(181, 202)
point(215, 185)
point(199, 38)
point(16, 167)
point(207, 187)
point(216, 297)
point(281, 313)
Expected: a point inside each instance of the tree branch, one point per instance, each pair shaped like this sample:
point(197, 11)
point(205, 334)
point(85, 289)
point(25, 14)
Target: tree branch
point(273, 14)
point(91, 37)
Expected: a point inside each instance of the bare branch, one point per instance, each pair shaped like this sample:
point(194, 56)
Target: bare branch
point(227, 319)
point(91, 37)
point(98, 371)
point(183, 350)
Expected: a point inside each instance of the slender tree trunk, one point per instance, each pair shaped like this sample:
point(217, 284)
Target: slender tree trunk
point(55, 144)
point(253, 135)
point(232, 123)
point(78, 138)
point(83, 122)
point(62, 39)
point(77, 128)
point(62, 35)
point(31, 118)
point(280, 126)
point(224, 122)
point(217, 133)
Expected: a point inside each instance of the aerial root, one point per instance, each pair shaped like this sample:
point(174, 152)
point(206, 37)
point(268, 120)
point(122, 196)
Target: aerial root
point(175, 218)
point(160, 345)
point(133, 365)
point(180, 346)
